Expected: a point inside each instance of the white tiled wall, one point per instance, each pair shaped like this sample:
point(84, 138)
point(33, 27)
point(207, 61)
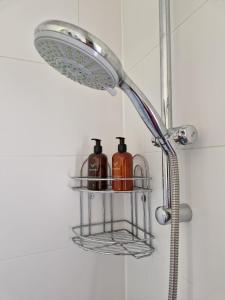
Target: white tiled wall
point(62, 274)
point(198, 98)
point(46, 122)
point(105, 22)
point(18, 20)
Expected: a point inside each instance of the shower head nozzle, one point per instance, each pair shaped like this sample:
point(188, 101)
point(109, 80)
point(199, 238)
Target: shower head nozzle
point(78, 55)
point(82, 57)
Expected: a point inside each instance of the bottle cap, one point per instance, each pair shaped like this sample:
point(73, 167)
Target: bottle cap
point(97, 147)
point(122, 147)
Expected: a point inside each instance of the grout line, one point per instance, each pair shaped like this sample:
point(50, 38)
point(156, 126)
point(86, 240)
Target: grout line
point(188, 17)
point(152, 152)
point(32, 254)
point(189, 149)
point(122, 27)
point(203, 147)
point(42, 156)
point(172, 32)
point(123, 116)
point(3, 156)
point(35, 61)
point(22, 59)
point(143, 58)
point(122, 58)
point(30, 156)
point(125, 288)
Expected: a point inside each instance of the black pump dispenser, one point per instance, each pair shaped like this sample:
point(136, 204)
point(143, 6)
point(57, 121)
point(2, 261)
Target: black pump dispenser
point(97, 168)
point(97, 147)
point(122, 147)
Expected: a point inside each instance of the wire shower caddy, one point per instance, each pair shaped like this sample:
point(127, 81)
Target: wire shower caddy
point(115, 222)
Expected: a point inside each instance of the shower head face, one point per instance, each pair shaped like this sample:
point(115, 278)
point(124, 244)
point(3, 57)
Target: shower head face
point(78, 55)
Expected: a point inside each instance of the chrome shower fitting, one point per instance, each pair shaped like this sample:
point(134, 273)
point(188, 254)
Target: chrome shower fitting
point(183, 135)
point(172, 211)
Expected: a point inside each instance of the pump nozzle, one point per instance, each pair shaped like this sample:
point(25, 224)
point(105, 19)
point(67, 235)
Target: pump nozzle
point(122, 147)
point(97, 147)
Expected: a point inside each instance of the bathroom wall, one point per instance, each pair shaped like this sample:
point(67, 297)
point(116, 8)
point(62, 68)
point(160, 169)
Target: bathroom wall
point(46, 122)
point(198, 44)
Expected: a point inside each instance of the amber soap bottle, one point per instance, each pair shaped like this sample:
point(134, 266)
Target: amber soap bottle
point(122, 167)
point(97, 168)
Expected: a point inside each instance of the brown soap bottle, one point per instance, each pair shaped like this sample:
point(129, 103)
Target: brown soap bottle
point(97, 168)
point(122, 167)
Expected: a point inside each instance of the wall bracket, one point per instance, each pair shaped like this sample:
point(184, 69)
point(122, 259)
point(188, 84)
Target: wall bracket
point(163, 214)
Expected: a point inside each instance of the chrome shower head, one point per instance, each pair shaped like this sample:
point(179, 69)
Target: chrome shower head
point(82, 57)
point(78, 55)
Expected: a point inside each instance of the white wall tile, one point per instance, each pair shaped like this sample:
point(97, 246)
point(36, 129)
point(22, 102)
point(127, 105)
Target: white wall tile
point(182, 9)
point(140, 29)
point(105, 22)
point(65, 274)
point(37, 206)
point(146, 76)
point(199, 66)
point(45, 119)
point(44, 113)
point(18, 19)
point(207, 258)
point(148, 278)
point(141, 25)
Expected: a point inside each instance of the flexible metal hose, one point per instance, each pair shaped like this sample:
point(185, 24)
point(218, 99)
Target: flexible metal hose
point(174, 239)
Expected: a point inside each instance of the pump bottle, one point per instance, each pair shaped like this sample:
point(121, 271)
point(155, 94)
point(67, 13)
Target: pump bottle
point(122, 167)
point(97, 168)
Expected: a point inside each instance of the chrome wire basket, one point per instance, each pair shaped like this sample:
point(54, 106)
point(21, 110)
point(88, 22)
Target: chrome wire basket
point(115, 222)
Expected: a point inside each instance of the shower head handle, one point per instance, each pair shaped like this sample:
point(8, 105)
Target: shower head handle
point(148, 114)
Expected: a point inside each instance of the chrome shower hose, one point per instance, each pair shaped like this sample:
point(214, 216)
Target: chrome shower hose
point(174, 239)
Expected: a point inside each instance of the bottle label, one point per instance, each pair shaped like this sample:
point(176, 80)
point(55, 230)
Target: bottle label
point(93, 165)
